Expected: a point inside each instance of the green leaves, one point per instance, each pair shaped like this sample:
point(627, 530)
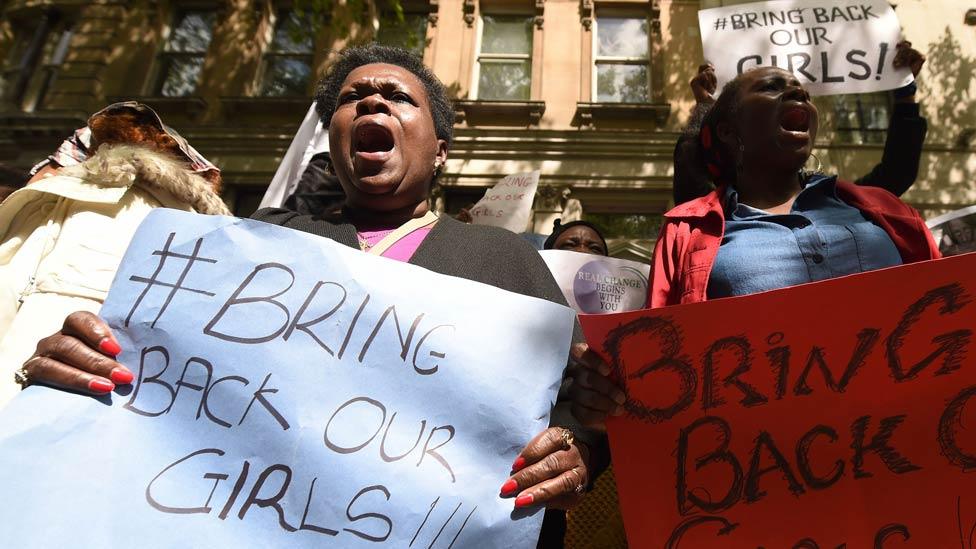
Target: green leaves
point(341, 15)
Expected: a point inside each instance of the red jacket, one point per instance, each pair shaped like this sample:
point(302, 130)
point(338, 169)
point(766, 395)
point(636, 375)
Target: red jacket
point(692, 234)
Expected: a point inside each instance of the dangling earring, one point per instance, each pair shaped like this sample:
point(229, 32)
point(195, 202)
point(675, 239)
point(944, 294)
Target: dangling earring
point(805, 173)
point(819, 168)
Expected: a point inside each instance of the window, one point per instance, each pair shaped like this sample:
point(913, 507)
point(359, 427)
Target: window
point(621, 60)
point(52, 57)
point(861, 118)
point(20, 60)
point(287, 65)
point(182, 58)
point(34, 61)
point(410, 33)
point(504, 68)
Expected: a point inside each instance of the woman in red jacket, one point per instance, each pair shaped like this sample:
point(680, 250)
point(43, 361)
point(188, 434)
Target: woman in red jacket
point(769, 224)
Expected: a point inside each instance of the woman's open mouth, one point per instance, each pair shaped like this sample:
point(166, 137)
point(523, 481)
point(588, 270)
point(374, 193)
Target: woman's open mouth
point(795, 119)
point(373, 142)
point(795, 122)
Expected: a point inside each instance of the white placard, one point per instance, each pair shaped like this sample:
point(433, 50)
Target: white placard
point(289, 392)
point(310, 139)
point(955, 231)
point(832, 46)
point(509, 203)
point(594, 284)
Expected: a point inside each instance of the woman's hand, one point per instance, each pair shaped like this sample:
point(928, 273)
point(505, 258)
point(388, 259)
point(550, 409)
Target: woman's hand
point(704, 83)
point(464, 216)
point(593, 394)
point(550, 471)
point(907, 56)
point(81, 357)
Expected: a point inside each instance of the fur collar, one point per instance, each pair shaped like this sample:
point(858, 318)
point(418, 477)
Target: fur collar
point(126, 165)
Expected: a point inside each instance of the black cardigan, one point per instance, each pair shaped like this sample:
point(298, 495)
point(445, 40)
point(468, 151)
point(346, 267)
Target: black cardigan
point(490, 255)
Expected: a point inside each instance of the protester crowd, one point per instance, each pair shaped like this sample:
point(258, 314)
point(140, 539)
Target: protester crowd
point(750, 215)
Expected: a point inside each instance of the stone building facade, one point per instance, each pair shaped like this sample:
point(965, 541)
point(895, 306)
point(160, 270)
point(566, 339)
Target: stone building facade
point(593, 93)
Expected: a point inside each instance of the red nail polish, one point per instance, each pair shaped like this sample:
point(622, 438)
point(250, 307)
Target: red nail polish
point(121, 376)
point(519, 464)
point(109, 346)
point(523, 501)
point(100, 386)
point(509, 487)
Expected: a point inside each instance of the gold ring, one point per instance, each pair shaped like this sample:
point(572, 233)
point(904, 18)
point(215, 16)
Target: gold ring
point(21, 377)
point(581, 487)
point(568, 438)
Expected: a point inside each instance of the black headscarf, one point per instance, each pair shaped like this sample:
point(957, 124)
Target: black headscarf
point(558, 228)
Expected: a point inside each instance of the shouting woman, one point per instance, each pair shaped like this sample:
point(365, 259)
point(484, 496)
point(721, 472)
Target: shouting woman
point(768, 224)
point(390, 127)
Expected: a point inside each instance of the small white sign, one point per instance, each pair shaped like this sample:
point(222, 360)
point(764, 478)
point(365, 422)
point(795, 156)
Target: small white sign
point(594, 284)
point(832, 46)
point(509, 203)
point(955, 231)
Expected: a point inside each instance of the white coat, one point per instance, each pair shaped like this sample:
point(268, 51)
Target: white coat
point(62, 238)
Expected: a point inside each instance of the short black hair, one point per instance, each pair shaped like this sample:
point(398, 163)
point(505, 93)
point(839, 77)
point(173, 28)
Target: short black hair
point(350, 59)
point(558, 228)
point(718, 160)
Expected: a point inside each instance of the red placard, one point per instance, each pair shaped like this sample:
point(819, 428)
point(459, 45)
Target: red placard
point(841, 412)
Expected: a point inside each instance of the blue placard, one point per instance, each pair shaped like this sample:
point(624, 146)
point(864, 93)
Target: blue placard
point(289, 391)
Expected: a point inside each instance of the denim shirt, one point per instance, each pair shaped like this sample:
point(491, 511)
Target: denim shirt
point(822, 237)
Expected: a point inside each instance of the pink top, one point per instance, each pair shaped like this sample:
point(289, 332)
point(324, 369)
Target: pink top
point(404, 248)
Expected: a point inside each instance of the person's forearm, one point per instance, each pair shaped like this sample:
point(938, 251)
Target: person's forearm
point(47, 170)
point(899, 164)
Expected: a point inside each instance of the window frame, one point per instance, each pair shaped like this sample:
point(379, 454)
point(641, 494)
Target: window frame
point(588, 109)
point(268, 53)
point(17, 68)
point(59, 54)
point(163, 57)
point(475, 89)
point(858, 133)
point(28, 79)
point(596, 59)
point(424, 13)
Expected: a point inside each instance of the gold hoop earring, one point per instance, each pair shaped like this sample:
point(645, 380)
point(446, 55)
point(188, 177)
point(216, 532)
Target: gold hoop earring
point(818, 170)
